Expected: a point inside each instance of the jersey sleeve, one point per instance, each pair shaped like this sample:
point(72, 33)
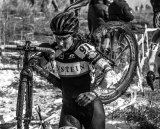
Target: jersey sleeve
point(88, 52)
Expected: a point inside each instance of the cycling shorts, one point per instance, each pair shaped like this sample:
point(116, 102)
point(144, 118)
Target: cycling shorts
point(91, 116)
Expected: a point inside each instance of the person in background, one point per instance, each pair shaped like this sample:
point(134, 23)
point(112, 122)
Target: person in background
point(119, 10)
point(97, 16)
point(81, 104)
point(154, 55)
point(46, 2)
point(156, 13)
point(153, 59)
point(76, 11)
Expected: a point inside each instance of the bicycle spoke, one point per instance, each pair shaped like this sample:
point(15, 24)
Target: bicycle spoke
point(122, 52)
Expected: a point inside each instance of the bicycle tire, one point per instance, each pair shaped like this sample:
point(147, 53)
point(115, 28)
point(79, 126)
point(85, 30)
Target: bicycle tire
point(124, 82)
point(20, 102)
point(24, 100)
point(156, 20)
point(28, 101)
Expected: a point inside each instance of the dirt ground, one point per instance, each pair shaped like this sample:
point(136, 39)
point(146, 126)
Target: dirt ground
point(49, 100)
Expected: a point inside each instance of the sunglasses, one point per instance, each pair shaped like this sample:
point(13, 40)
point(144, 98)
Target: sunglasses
point(65, 37)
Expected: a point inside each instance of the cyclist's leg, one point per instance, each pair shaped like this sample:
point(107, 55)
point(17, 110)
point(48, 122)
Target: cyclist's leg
point(68, 120)
point(98, 118)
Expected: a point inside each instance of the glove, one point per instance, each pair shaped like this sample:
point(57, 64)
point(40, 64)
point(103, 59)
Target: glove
point(86, 98)
point(150, 78)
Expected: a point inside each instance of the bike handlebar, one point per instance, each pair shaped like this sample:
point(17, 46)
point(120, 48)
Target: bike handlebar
point(26, 48)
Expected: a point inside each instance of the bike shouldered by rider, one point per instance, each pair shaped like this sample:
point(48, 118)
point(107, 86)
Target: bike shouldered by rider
point(81, 105)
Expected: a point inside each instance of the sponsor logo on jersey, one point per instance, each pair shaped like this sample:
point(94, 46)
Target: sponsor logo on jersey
point(71, 56)
point(61, 56)
point(72, 69)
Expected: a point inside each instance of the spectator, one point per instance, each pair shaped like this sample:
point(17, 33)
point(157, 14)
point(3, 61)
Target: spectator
point(76, 11)
point(120, 10)
point(97, 16)
point(46, 2)
point(156, 10)
point(141, 7)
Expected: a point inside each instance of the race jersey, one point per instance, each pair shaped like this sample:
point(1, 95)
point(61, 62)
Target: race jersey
point(73, 68)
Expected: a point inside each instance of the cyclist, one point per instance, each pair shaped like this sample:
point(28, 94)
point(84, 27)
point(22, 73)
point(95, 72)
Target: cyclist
point(156, 12)
point(81, 106)
point(97, 16)
point(154, 62)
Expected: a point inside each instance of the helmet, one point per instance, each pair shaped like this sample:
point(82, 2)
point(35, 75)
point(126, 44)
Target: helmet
point(64, 23)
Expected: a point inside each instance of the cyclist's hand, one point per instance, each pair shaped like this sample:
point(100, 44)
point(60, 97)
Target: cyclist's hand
point(150, 79)
point(85, 98)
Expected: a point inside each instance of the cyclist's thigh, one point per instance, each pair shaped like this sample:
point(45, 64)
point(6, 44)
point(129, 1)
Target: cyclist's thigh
point(98, 119)
point(68, 120)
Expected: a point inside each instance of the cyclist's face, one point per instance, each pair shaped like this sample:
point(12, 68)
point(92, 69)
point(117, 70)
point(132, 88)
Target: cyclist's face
point(64, 42)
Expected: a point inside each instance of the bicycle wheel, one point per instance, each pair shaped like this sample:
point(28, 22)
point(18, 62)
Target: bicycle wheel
point(20, 101)
point(156, 20)
point(28, 102)
point(24, 101)
point(123, 52)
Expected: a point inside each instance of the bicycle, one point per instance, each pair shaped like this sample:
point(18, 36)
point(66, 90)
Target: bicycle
point(25, 88)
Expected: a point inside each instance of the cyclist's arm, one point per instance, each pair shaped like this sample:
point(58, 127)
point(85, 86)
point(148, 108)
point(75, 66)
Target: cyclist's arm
point(42, 60)
point(88, 52)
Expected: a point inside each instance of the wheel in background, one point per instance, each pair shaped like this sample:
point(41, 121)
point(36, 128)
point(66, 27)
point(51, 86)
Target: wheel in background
point(157, 20)
point(123, 52)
